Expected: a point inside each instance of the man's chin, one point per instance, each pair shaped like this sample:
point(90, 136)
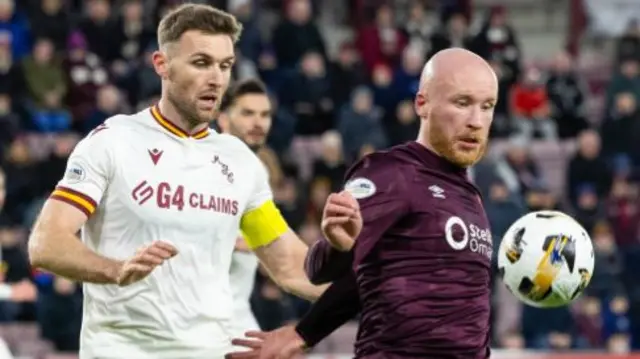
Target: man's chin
point(255, 148)
point(465, 159)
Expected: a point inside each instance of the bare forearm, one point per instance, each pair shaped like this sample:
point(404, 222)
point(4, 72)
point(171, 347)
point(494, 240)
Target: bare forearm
point(65, 255)
point(303, 288)
point(284, 261)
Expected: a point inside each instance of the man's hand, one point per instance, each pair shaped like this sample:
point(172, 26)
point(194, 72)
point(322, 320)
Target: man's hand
point(23, 291)
point(144, 262)
point(341, 220)
point(283, 343)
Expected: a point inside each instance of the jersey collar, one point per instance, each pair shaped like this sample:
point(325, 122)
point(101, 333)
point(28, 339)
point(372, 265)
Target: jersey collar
point(172, 128)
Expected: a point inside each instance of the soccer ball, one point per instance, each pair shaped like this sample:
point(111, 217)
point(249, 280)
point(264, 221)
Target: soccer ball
point(546, 259)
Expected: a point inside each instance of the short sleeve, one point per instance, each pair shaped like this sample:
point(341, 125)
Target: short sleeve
point(261, 189)
point(87, 173)
point(261, 222)
point(379, 183)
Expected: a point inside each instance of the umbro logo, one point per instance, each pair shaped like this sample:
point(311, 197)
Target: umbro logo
point(437, 192)
point(155, 155)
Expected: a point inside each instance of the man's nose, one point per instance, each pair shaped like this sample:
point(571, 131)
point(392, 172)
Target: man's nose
point(214, 79)
point(476, 119)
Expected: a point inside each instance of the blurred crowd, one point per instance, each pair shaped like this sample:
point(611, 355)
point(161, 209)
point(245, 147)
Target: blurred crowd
point(67, 65)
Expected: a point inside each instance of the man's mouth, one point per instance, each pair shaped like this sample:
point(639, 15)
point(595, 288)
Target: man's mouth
point(469, 141)
point(211, 99)
point(256, 133)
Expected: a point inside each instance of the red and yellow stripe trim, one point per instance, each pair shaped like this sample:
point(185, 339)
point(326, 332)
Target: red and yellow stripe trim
point(76, 199)
point(171, 127)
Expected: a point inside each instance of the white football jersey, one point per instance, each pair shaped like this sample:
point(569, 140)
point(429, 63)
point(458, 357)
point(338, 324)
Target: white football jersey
point(243, 276)
point(140, 179)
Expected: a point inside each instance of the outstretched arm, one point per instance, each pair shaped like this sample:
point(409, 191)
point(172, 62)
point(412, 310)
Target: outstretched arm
point(279, 249)
point(283, 258)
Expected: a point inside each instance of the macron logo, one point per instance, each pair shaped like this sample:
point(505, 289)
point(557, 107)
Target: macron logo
point(437, 192)
point(155, 155)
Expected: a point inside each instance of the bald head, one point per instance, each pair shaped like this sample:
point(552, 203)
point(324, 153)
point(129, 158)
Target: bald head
point(457, 95)
point(448, 62)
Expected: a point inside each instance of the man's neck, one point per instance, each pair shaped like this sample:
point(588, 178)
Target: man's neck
point(171, 114)
point(422, 139)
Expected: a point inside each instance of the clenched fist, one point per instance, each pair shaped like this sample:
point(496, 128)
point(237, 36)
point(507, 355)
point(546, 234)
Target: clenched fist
point(144, 262)
point(341, 220)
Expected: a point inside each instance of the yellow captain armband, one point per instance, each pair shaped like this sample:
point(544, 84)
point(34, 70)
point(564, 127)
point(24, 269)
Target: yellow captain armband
point(262, 225)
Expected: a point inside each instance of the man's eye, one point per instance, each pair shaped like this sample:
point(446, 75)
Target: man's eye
point(488, 106)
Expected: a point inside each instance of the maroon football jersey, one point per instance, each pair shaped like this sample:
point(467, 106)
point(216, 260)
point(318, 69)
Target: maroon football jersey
point(422, 261)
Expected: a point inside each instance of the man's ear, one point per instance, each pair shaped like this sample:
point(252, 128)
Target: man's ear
point(160, 64)
point(421, 105)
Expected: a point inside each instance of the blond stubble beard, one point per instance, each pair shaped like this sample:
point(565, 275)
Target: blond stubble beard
point(445, 148)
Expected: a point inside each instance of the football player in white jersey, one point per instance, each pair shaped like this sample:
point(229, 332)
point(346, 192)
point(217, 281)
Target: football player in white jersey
point(159, 200)
point(245, 113)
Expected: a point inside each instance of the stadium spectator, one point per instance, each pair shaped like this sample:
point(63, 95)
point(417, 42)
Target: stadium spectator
point(297, 35)
point(420, 26)
point(621, 129)
point(44, 77)
point(10, 76)
point(286, 123)
point(347, 72)
point(109, 103)
point(51, 20)
point(628, 46)
point(402, 124)
point(588, 167)
point(100, 29)
point(531, 107)
point(517, 168)
point(15, 268)
point(454, 34)
point(567, 97)
point(605, 282)
point(15, 24)
point(626, 79)
point(251, 44)
point(497, 40)
point(381, 80)
point(85, 75)
point(331, 164)
point(381, 42)
point(503, 125)
point(359, 124)
point(308, 96)
point(144, 83)
point(406, 78)
point(9, 120)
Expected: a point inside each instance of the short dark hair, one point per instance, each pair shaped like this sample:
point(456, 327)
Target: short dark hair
point(241, 88)
point(200, 17)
